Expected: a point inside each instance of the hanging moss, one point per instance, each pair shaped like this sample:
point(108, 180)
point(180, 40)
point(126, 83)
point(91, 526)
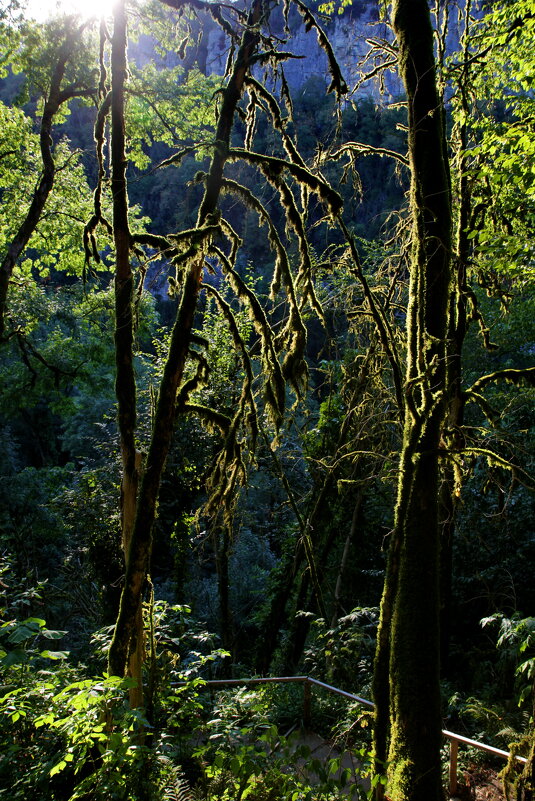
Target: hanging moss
point(89, 239)
point(258, 90)
point(337, 85)
point(273, 167)
point(274, 386)
point(282, 266)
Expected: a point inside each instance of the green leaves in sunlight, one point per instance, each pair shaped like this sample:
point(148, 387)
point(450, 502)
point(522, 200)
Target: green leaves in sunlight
point(169, 106)
point(501, 151)
point(18, 642)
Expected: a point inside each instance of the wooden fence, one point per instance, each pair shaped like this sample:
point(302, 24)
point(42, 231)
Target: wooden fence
point(308, 683)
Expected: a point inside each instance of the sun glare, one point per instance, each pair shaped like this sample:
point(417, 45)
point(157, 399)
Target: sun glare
point(42, 10)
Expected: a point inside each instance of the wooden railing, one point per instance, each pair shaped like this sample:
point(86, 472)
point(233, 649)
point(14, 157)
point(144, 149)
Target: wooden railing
point(308, 683)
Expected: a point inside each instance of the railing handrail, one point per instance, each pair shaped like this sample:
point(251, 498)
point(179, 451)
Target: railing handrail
point(307, 681)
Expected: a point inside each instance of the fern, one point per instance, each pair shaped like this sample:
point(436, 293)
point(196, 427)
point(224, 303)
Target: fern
point(176, 786)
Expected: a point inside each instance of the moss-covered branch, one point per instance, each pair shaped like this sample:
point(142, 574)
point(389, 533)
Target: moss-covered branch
point(360, 149)
point(514, 376)
point(273, 166)
point(90, 242)
point(338, 84)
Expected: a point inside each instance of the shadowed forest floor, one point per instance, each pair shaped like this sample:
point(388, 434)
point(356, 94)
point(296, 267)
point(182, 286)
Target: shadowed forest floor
point(480, 783)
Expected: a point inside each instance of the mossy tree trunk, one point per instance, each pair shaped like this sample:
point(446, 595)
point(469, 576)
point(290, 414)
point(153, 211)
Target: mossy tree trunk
point(458, 327)
point(139, 552)
point(221, 537)
point(525, 789)
point(407, 690)
point(525, 784)
point(125, 382)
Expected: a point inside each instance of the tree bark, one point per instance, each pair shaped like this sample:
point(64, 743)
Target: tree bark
point(276, 616)
point(141, 541)
point(351, 536)
point(125, 382)
point(458, 326)
point(525, 788)
point(410, 609)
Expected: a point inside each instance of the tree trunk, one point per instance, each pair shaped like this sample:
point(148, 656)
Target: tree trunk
point(410, 609)
point(276, 616)
point(525, 788)
point(125, 383)
point(221, 543)
point(458, 325)
point(141, 541)
point(351, 536)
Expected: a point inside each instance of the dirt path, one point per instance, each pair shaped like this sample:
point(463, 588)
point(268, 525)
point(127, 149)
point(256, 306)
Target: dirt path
point(322, 751)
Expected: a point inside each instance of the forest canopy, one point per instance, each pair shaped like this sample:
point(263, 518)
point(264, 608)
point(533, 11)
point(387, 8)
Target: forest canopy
point(266, 342)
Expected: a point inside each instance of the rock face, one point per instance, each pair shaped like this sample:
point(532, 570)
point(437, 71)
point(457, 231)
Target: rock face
point(352, 35)
point(349, 34)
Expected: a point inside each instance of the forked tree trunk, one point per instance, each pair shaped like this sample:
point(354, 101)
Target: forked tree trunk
point(407, 682)
point(141, 539)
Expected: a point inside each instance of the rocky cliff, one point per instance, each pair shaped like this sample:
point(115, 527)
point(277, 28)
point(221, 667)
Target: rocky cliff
point(349, 35)
point(352, 36)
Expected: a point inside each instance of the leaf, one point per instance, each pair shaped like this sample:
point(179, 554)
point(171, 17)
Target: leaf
point(16, 657)
point(44, 720)
point(58, 768)
point(54, 654)
point(51, 634)
point(22, 633)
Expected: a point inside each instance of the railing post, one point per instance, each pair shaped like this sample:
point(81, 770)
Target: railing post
point(307, 703)
point(454, 748)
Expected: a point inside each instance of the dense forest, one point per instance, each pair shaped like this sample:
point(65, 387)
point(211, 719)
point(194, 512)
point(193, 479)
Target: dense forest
point(267, 400)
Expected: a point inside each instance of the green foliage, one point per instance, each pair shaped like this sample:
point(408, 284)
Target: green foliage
point(17, 641)
point(84, 736)
point(98, 729)
point(502, 143)
point(170, 107)
point(62, 736)
point(56, 242)
point(66, 735)
point(329, 8)
point(257, 762)
point(516, 643)
point(344, 653)
point(244, 754)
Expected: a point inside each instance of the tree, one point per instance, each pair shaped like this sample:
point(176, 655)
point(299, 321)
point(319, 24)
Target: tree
point(488, 247)
point(62, 79)
point(189, 250)
point(138, 553)
point(502, 221)
point(406, 682)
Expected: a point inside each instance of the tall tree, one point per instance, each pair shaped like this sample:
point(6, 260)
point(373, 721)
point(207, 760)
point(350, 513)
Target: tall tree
point(406, 683)
point(60, 82)
point(125, 382)
point(141, 538)
point(281, 356)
